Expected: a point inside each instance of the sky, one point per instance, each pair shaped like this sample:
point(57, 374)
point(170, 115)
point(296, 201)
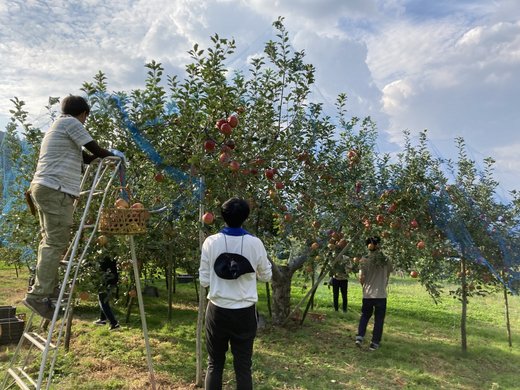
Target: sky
point(451, 67)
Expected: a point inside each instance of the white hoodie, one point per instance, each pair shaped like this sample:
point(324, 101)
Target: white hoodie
point(236, 293)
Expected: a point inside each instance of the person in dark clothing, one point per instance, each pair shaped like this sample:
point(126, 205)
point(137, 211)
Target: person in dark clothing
point(109, 281)
point(339, 282)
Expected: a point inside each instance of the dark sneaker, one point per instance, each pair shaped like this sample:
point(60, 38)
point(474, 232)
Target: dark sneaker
point(115, 327)
point(41, 306)
point(100, 322)
point(359, 341)
point(373, 346)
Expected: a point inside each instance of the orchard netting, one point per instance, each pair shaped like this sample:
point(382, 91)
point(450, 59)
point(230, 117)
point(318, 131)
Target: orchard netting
point(446, 214)
point(13, 189)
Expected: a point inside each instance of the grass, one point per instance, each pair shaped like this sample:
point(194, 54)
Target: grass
point(420, 349)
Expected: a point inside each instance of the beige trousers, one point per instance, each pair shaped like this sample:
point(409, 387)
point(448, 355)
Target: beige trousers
point(55, 209)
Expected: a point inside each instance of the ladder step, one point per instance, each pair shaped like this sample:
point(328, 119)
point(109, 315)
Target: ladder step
point(95, 193)
point(37, 340)
point(19, 381)
point(65, 263)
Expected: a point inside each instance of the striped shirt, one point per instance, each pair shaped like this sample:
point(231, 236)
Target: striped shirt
point(60, 160)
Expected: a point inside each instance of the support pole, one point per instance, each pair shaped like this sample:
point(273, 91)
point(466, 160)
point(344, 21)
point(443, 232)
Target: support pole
point(141, 311)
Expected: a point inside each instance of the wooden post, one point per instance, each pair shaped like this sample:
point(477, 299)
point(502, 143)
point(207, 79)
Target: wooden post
point(141, 310)
point(199, 381)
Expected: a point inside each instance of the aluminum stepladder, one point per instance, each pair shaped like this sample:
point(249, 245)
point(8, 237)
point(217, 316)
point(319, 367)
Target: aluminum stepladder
point(43, 351)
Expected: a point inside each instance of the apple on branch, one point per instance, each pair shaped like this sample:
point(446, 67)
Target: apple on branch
point(220, 122)
point(226, 129)
point(209, 145)
point(279, 185)
point(234, 166)
point(233, 121)
point(269, 173)
point(224, 158)
point(208, 218)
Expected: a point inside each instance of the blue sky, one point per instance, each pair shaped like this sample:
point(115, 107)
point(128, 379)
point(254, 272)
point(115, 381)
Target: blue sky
point(452, 67)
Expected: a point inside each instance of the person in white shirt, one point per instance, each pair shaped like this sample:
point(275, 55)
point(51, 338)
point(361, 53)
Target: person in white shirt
point(231, 262)
point(55, 185)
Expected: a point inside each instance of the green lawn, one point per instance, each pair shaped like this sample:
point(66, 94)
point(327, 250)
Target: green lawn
point(420, 349)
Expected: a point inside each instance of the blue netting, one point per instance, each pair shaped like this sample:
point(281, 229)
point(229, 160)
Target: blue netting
point(446, 217)
point(13, 189)
point(184, 179)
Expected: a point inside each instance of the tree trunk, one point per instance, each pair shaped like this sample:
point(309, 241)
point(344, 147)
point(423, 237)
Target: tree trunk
point(463, 317)
point(281, 285)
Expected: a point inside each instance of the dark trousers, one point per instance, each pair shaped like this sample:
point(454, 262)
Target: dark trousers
point(106, 310)
point(235, 327)
point(337, 286)
point(376, 306)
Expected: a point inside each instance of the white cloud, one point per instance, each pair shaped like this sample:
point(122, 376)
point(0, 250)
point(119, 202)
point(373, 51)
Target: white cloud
point(451, 67)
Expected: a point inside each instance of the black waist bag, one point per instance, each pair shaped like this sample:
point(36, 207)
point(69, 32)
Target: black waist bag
point(232, 266)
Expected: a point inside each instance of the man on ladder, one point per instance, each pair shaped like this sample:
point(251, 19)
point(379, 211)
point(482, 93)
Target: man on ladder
point(53, 189)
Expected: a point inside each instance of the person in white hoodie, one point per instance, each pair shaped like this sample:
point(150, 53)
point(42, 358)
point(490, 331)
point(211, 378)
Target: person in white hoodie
point(231, 262)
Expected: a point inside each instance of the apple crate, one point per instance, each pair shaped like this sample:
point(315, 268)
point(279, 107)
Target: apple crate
point(123, 221)
point(11, 329)
point(7, 312)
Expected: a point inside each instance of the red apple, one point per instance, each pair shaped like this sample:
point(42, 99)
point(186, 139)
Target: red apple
point(209, 145)
point(352, 154)
point(233, 121)
point(315, 246)
point(414, 274)
point(414, 224)
point(269, 173)
point(287, 217)
point(380, 219)
point(342, 243)
point(234, 166)
point(224, 158)
point(392, 208)
point(208, 218)
point(316, 224)
point(219, 123)
point(226, 129)
point(279, 185)
point(137, 205)
point(121, 203)
point(159, 177)
point(421, 245)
